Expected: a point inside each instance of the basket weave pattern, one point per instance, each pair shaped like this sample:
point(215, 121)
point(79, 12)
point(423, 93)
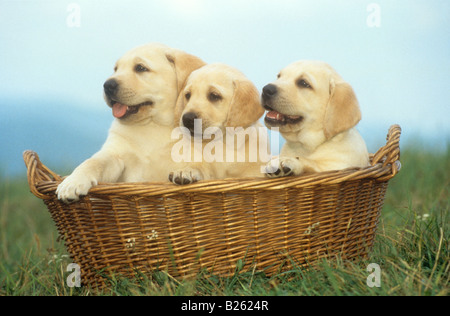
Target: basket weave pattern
point(269, 224)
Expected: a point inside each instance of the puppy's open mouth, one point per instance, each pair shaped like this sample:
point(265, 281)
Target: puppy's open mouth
point(278, 119)
point(121, 111)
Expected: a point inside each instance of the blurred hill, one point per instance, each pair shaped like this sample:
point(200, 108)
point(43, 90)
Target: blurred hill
point(62, 133)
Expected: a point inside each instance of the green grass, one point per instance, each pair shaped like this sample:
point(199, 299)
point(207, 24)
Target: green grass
point(412, 248)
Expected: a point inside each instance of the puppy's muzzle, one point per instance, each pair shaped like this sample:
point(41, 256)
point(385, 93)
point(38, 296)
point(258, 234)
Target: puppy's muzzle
point(189, 121)
point(111, 87)
point(270, 90)
point(273, 117)
point(268, 93)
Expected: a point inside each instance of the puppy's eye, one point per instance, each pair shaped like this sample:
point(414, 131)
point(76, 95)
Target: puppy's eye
point(214, 97)
point(140, 68)
point(187, 96)
point(278, 76)
point(302, 83)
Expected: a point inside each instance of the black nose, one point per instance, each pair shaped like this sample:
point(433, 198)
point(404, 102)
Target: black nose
point(189, 120)
point(111, 86)
point(269, 91)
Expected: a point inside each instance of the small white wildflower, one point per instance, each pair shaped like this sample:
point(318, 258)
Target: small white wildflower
point(153, 236)
point(423, 217)
point(56, 258)
point(131, 242)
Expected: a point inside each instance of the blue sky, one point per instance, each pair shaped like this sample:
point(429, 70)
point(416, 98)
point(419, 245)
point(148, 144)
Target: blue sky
point(399, 69)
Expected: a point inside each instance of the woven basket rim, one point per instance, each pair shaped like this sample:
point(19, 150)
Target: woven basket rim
point(385, 165)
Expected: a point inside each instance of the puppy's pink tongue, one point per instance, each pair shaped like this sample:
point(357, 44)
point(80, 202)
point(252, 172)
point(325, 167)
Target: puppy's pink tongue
point(119, 110)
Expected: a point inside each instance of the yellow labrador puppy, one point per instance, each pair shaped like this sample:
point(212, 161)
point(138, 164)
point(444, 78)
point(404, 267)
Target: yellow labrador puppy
point(142, 94)
point(219, 109)
point(316, 112)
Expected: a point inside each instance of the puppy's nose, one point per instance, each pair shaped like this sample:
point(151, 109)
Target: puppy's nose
point(111, 86)
point(188, 120)
point(270, 90)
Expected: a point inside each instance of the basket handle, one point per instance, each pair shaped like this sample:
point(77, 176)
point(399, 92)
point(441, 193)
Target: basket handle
point(390, 153)
point(38, 172)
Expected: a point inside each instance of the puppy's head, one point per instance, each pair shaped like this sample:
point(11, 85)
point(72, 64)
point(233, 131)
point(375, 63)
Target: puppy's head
point(310, 96)
point(221, 97)
point(146, 83)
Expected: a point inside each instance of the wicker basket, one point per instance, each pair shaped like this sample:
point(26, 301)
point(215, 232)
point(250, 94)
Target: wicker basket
point(264, 224)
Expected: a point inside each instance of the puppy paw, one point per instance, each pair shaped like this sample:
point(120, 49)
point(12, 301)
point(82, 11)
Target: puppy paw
point(74, 187)
point(185, 176)
point(283, 167)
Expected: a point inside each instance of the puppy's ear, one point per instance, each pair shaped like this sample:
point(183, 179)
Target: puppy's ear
point(342, 111)
point(184, 64)
point(179, 108)
point(245, 108)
